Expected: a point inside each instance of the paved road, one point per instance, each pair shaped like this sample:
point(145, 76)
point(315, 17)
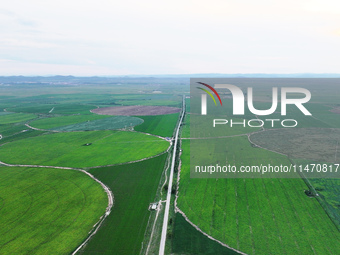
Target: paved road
point(168, 198)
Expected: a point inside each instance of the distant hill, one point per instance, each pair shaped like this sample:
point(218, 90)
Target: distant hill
point(59, 79)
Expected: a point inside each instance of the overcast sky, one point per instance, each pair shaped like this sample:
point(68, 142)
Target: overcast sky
point(114, 37)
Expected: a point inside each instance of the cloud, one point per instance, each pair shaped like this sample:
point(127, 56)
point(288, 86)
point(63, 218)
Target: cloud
point(16, 19)
point(178, 36)
point(15, 43)
point(328, 7)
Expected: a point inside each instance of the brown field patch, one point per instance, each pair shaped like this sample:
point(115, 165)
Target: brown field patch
point(136, 110)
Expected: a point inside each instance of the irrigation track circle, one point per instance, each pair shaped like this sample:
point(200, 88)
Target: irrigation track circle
point(136, 110)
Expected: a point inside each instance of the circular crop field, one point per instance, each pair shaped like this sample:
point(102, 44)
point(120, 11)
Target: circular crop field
point(86, 122)
point(82, 149)
point(136, 110)
point(47, 211)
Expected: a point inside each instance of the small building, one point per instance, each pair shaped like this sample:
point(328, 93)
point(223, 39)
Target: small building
point(153, 206)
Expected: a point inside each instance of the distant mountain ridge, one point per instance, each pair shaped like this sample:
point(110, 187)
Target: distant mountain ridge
point(147, 78)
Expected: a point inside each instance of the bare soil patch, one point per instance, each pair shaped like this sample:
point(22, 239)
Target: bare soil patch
point(136, 110)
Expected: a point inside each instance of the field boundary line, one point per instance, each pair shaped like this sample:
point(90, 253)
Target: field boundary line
point(215, 137)
point(103, 217)
point(39, 129)
point(159, 208)
point(119, 129)
point(302, 176)
point(178, 210)
point(130, 162)
point(210, 237)
point(107, 190)
point(258, 146)
point(118, 164)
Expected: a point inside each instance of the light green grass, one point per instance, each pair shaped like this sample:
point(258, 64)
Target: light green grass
point(256, 216)
point(162, 125)
point(16, 117)
point(47, 211)
point(67, 149)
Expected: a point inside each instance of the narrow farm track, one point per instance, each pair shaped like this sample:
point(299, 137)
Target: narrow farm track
point(118, 164)
point(39, 129)
point(159, 208)
point(57, 131)
point(106, 189)
point(110, 195)
point(134, 161)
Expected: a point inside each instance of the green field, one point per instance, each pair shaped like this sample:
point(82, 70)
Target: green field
point(51, 211)
point(329, 196)
point(5, 113)
point(162, 125)
point(234, 151)
point(24, 133)
point(185, 239)
point(134, 187)
point(263, 215)
point(186, 126)
point(53, 108)
point(201, 127)
point(256, 216)
point(136, 99)
point(11, 129)
point(15, 118)
point(67, 149)
point(55, 122)
point(57, 208)
point(325, 115)
point(318, 144)
point(86, 122)
point(47, 211)
point(305, 146)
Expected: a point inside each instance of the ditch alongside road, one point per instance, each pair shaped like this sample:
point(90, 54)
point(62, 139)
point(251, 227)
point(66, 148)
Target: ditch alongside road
point(168, 199)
